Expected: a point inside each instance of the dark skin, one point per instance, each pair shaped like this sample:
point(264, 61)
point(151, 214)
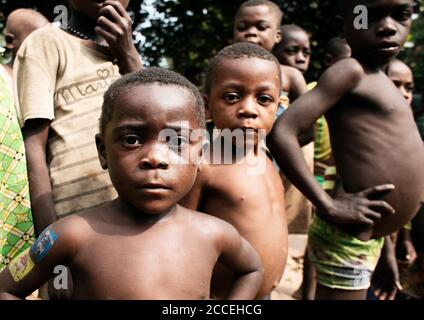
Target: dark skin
point(93, 18)
point(142, 245)
point(19, 25)
point(402, 77)
point(260, 25)
point(103, 22)
point(370, 132)
point(245, 94)
point(107, 23)
point(294, 50)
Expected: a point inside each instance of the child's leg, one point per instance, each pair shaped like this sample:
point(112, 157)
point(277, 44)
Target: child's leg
point(309, 278)
point(324, 293)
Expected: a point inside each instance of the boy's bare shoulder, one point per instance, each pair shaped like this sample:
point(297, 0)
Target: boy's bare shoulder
point(206, 224)
point(342, 77)
point(348, 68)
point(80, 225)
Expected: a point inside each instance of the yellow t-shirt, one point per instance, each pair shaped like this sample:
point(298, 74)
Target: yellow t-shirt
point(58, 78)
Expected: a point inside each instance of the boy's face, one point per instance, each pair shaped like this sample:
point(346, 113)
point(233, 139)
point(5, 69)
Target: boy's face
point(402, 77)
point(344, 52)
point(150, 170)
point(389, 23)
point(259, 25)
point(90, 8)
point(295, 50)
point(245, 94)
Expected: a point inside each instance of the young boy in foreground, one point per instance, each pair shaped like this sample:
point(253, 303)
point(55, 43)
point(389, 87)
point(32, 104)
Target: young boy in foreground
point(142, 245)
point(243, 187)
point(377, 149)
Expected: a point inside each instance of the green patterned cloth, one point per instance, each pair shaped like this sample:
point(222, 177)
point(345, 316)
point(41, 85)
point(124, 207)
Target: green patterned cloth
point(341, 260)
point(16, 225)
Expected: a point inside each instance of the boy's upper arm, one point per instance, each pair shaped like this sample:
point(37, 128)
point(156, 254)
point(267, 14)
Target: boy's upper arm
point(236, 252)
point(298, 86)
point(335, 83)
point(32, 268)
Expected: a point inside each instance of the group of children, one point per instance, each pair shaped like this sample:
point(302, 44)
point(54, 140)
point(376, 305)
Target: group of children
point(157, 219)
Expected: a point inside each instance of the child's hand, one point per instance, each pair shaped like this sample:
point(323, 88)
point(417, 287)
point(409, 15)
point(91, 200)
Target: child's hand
point(406, 253)
point(385, 280)
point(355, 208)
point(115, 26)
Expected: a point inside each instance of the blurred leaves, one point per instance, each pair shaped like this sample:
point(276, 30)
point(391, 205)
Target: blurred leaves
point(185, 34)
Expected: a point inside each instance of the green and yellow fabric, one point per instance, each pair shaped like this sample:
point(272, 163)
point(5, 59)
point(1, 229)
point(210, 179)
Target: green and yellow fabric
point(16, 224)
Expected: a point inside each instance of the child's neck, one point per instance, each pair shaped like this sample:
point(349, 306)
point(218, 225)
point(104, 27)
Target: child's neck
point(83, 27)
point(239, 153)
point(372, 65)
point(136, 216)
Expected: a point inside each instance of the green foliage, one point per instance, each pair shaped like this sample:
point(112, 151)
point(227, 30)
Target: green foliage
point(187, 33)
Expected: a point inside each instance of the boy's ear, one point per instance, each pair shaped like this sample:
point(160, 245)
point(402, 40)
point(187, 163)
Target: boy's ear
point(202, 152)
point(327, 60)
point(207, 109)
point(9, 39)
point(101, 151)
point(278, 36)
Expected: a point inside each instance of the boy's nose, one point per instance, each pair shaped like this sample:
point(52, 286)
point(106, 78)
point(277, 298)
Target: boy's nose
point(248, 110)
point(155, 158)
point(387, 27)
point(300, 58)
point(252, 31)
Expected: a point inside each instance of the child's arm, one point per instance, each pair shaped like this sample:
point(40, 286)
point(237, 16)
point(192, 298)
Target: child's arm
point(385, 281)
point(406, 252)
point(240, 257)
point(35, 135)
point(115, 26)
point(337, 82)
point(35, 266)
point(298, 86)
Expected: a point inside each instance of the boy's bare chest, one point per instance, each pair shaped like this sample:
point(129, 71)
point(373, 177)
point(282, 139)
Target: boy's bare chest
point(145, 267)
point(241, 186)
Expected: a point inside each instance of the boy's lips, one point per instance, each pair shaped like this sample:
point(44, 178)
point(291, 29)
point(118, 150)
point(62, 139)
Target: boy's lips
point(388, 46)
point(154, 186)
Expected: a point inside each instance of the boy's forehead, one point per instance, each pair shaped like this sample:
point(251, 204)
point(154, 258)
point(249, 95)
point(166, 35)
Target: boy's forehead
point(350, 4)
point(259, 12)
point(148, 101)
point(246, 66)
point(297, 35)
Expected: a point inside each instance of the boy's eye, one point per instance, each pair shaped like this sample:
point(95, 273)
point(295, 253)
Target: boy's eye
point(265, 99)
point(397, 83)
point(241, 27)
point(177, 142)
point(292, 50)
point(306, 53)
point(409, 89)
point(131, 140)
point(262, 27)
point(403, 15)
point(231, 98)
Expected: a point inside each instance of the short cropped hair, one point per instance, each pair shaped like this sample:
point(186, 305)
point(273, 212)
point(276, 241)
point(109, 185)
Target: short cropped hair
point(271, 5)
point(147, 76)
point(336, 46)
point(289, 28)
point(240, 50)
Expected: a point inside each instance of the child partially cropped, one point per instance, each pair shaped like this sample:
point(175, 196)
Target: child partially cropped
point(377, 149)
